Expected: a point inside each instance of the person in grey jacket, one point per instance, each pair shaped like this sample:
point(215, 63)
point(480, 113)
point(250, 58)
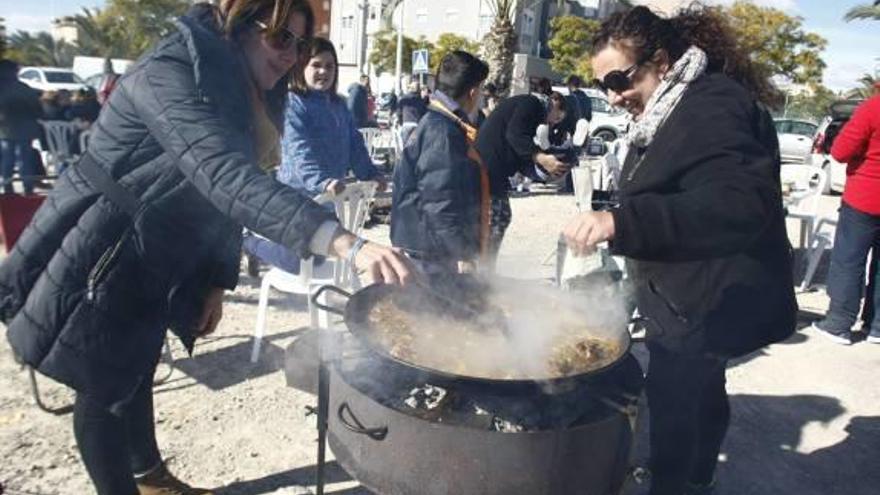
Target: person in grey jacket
point(144, 232)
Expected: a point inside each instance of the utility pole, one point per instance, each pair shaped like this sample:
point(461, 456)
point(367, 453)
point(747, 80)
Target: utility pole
point(399, 63)
point(364, 6)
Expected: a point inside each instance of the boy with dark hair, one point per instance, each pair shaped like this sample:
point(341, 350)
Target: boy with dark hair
point(440, 208)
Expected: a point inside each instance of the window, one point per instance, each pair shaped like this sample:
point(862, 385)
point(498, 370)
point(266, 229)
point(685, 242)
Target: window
point(422, 15)
point(54, 76)
point(803, 129)
point(348, 22)
point(599, 105)
point(452, 15)
point(29, 75)
point(783, 126)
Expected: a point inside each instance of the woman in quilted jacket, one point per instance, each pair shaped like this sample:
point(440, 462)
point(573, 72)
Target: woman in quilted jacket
point(144, 233)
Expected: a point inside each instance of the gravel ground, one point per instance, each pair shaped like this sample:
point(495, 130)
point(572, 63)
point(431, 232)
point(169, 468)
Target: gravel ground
point(806, 412)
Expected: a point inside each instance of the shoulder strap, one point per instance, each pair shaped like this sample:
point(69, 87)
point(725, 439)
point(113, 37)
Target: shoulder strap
point(101, 180)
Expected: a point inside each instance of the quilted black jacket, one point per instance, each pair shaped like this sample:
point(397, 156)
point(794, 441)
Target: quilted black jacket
point(176, 134)
point(436, 204)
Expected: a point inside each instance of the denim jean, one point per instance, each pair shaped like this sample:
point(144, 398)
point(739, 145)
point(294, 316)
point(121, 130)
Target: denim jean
point(17, 151)
point(272, 253)
point(857, 234)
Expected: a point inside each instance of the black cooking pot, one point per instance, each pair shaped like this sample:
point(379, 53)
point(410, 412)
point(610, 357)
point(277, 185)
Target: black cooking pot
point(451, 295)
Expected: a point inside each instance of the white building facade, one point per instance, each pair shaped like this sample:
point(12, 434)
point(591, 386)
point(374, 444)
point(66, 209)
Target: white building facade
point(353, 22)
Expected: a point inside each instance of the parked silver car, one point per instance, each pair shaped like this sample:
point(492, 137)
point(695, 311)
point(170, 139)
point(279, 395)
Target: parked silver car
point(609, 122)
point(795, 139)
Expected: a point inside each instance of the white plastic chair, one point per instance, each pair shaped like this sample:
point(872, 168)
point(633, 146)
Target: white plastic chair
point(371, 137)
point(802, 189)
point(84, 138)
point(60, 136)
point(352, 207)
point(821, 240)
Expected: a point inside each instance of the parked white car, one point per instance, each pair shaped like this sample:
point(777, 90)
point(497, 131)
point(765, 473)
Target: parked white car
point(820, 156)
point(795, 139)
point(609, 123)
point(50, 78)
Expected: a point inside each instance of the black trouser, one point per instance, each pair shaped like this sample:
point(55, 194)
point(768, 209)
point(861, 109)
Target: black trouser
point(116, 445)
point(499, 220)
point(689, 414)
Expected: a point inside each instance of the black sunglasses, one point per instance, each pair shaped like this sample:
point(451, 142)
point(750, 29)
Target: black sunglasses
point(618, 80)
point(282, 39)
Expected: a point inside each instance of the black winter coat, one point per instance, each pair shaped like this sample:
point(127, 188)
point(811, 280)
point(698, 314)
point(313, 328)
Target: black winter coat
point(507, 140)
point(436, 198)
point(702, 224)
point(176, 133)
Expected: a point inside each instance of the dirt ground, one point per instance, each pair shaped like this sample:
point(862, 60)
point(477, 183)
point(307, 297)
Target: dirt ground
point(806, 413)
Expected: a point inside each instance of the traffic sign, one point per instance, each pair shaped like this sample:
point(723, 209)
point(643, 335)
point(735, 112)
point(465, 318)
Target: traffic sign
point(420, 62)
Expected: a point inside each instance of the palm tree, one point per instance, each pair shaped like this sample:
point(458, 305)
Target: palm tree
point(96, 39)
point(41, 49)
point(866, 90)
point(2, 37)
point(499, 44)
point(865, 11)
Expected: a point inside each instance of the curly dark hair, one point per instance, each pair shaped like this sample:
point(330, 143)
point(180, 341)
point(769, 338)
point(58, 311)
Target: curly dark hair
point(644, 32)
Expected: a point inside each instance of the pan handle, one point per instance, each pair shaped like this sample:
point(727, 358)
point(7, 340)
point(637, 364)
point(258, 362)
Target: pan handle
point(355, 426)
point(324, 307)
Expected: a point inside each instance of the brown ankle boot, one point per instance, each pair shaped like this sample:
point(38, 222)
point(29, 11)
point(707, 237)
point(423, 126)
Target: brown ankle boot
point(160, 481)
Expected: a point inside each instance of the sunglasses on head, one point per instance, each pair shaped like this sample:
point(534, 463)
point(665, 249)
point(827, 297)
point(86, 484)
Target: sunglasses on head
point(282, 39)
point(617, 80)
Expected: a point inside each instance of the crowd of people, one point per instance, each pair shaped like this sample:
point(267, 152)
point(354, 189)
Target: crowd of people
point(21, 109)
point(236, 120)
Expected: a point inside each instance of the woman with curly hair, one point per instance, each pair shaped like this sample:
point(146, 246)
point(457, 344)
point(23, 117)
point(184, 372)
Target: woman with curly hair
point(700, 222)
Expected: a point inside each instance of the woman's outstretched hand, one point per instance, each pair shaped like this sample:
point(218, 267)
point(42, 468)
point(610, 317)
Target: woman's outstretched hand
point(588, 229)
point(382, 264)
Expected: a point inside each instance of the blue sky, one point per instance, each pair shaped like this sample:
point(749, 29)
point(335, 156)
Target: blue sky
point(853, 48)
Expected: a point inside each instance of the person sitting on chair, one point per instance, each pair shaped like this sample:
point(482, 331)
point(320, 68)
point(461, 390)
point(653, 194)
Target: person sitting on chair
point(321, 143)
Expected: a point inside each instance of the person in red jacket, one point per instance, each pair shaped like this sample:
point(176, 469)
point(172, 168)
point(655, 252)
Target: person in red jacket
point(858, 226)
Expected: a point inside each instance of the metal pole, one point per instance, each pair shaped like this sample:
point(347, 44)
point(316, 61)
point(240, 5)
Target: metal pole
point(323, 406)
point(364, 7)
point(399, 64)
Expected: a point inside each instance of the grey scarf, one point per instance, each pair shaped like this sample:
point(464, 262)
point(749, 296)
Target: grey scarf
point(690, 66)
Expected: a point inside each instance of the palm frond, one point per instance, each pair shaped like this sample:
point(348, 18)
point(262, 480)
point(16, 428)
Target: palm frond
point(863, 12)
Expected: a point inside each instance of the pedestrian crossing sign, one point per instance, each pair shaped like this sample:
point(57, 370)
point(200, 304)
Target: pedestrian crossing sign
point(420, 62)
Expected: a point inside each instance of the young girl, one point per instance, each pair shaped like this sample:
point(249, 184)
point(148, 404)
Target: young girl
point(321, 142)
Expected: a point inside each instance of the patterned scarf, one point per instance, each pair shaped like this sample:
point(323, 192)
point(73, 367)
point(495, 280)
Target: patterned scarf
point(470, 133)
point(665, 98)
